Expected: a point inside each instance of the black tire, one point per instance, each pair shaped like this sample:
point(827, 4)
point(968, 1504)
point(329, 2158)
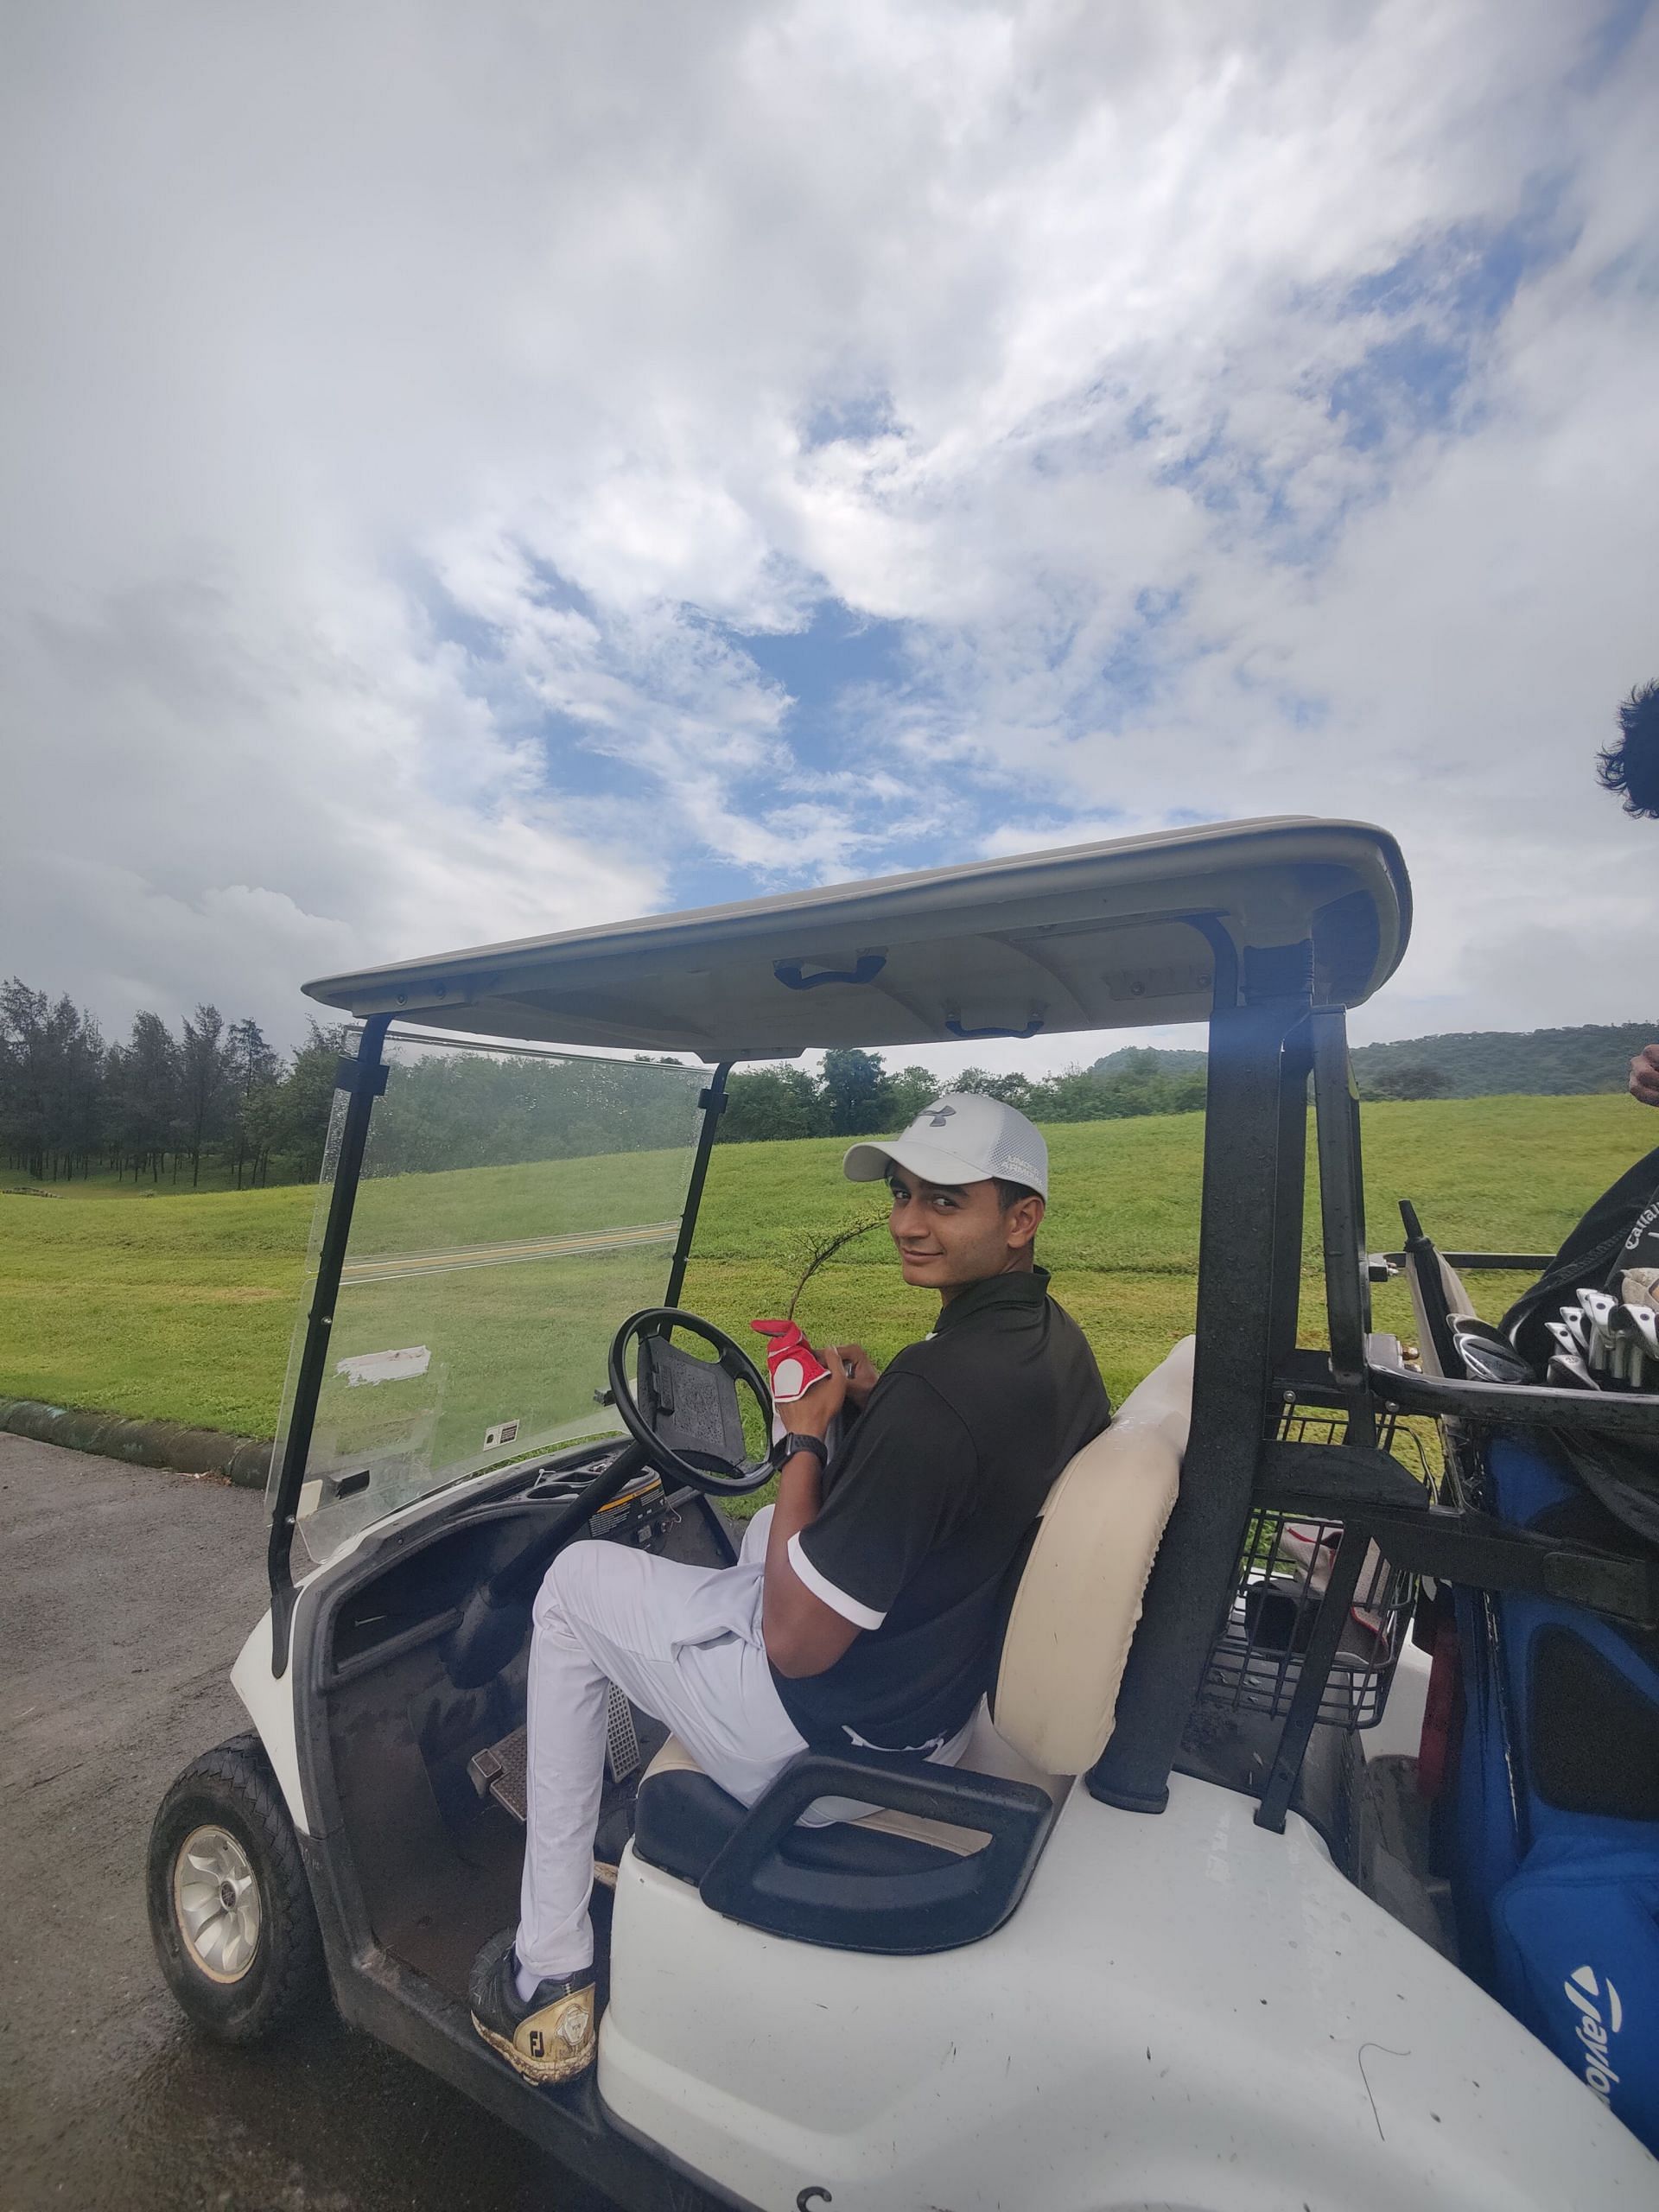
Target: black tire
point(233, 1789)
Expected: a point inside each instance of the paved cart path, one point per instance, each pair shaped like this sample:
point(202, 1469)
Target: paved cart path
point(124, 1596)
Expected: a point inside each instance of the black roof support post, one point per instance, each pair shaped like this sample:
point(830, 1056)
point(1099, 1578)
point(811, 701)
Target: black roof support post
point(713, 1103)
point(363, 1080)
point(1290, 1174)
point(1240, 1308)
point(1342, 1215)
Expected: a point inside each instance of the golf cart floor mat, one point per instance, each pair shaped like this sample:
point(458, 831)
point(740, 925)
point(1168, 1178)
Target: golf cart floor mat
point(499, 1771)
point(464, 1906)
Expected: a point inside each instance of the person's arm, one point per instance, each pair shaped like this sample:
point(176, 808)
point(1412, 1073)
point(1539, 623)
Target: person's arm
point(804, 1635)
point(838, 1566)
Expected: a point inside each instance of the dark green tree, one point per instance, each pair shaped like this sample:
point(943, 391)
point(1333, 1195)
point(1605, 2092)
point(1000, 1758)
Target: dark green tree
point(51, 1082)
point(854, 1083)
point(1413, 1079)
point(766, 1103)
point(297, 1130)
point(205, 1085)
point(148, 1086)
point(908, 1091)
point(1014, 1090)
point(253, 1071)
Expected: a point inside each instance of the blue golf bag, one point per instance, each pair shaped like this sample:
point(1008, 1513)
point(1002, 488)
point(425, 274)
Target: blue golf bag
point(1553, 1823)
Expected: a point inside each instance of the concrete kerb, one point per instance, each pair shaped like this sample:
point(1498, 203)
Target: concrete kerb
point(244, 1459)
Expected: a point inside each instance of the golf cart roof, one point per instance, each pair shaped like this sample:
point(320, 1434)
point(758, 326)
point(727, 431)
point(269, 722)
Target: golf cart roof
point(1091, 937)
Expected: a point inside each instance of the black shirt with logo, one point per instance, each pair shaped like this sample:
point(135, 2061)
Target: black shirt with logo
point(926, 1506)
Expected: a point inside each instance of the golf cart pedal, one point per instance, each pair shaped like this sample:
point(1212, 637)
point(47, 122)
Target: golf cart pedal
point(621, 1739)
point(499, 1772)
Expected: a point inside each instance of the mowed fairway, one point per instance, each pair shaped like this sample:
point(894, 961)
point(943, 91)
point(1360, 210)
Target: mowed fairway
point(182, 1306)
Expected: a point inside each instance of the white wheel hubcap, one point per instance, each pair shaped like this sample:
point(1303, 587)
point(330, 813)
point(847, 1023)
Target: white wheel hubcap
point(216, 1902)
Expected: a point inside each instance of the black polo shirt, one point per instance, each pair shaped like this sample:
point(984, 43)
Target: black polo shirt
point(925, 1504)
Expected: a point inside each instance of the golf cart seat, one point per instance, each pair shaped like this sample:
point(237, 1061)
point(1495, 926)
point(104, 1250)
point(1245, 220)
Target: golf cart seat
point(946, 1853)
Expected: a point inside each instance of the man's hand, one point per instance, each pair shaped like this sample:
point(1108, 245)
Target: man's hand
point(861, 1378)
point(1644, 1075)
point(813, 1414)
point(803, 1634)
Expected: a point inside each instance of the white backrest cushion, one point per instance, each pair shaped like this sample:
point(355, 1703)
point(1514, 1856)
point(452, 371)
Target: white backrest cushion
point(1079, 1597)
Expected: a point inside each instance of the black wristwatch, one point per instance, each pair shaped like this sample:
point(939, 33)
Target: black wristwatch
point(787, 1447)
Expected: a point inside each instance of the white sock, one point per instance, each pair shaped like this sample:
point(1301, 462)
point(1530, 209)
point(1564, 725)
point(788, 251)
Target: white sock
point(526, 1981)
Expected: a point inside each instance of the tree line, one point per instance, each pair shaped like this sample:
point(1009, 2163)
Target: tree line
point(158, 1105)
point(854, 1094)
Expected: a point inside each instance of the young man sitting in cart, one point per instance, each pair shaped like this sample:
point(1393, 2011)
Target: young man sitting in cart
point(863, 1609)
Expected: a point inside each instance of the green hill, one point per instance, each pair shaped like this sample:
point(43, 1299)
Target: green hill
point(1543, 1063)
point(1474, 1064)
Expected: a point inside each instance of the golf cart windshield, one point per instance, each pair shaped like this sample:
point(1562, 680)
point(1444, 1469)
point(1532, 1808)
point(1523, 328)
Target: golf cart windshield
point(515, 1206)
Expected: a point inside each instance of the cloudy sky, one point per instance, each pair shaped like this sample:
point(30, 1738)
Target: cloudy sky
point(469, 471)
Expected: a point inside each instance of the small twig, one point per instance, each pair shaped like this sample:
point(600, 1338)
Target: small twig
point(820, 1249)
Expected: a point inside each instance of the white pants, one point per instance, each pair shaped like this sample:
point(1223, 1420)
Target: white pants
point(684, 1643)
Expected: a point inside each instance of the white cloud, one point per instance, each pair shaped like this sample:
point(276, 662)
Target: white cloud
point(416, 410)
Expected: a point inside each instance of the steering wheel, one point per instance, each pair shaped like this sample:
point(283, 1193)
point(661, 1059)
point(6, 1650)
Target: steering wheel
point(695, 1435)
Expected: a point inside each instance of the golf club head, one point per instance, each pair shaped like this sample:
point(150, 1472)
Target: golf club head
point(1577, 1328)
point(1624, 1359)
point(1488, 1362)
point(1625, 1364)
point(1561, 1336)
point(1596, 1308)
point(1567, 1371)
point(1642, 1345)
point(1487, 1354)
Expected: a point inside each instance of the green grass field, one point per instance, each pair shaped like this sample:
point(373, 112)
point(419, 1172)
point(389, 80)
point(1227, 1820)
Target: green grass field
point(181, 1307)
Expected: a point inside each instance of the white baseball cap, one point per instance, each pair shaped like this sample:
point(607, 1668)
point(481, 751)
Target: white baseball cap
point(960, 1138)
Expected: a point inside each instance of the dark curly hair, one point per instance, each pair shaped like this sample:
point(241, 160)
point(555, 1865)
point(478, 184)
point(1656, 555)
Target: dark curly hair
point(1631, 767)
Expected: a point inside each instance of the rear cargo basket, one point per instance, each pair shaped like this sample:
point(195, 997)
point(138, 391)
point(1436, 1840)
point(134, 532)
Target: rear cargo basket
point(1256, 1662)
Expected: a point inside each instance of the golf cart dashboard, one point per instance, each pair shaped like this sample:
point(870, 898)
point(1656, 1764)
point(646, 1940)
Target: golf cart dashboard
point(419, 1592)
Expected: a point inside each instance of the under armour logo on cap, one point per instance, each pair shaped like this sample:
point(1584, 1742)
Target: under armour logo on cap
point(963, 1137)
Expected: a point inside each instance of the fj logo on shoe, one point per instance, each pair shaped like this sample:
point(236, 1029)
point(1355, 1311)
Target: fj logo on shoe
point(1595, 2034)
point(537, 2043)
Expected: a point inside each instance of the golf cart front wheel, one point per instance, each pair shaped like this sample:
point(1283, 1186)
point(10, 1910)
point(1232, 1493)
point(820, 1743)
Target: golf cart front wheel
point(229, 1907)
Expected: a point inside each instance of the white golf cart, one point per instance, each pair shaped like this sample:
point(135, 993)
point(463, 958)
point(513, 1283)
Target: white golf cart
point(1162, 1940)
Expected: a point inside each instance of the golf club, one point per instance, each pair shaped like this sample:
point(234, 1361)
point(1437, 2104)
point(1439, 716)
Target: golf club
point(1561, 1336)
point(1487, 1354)
point(1568, 1372)
point(1643, 1355)
point(1597, 1310)
point(1578, 1329)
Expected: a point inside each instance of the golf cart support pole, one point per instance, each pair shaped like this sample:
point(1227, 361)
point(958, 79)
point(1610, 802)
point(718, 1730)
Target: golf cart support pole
point(713, 1103)
point(363, 1080)
point(1240, 1307)
point(1342, 1218)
